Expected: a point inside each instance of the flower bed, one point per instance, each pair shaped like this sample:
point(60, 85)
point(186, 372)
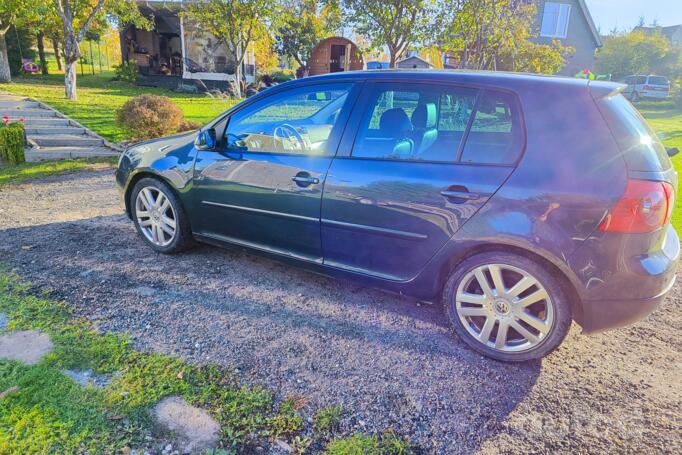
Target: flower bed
point(12, 141)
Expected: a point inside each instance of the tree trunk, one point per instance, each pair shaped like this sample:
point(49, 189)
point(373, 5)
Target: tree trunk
point(393, 60)
point(72, 53)
point(5, 75)
point(70, 80)
point(238, 78)
point(41, 53)
point(55, 46)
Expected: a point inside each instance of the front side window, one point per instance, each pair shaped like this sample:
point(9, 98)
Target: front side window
point(297, 121)
point(555, 19)
point(418, 122)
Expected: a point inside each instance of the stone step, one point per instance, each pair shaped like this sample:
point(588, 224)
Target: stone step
point(66, 140)
point(27, 113)
point(43, 130)
point(61, 153)
point(37, 122)
point(19, 104)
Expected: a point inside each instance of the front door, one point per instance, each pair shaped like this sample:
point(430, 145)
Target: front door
point(262, 186)
point(425, 158)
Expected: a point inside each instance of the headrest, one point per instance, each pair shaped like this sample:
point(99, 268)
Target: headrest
point(424, 116)
point(395, 123)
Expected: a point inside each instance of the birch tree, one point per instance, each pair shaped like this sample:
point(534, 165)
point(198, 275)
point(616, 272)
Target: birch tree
point(77, 17)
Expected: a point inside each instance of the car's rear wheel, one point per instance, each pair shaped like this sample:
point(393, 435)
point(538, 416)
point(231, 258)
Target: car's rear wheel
point(159, 216)
point(507, 306)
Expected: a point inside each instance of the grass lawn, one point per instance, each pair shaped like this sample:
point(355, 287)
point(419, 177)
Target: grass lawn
point(99, 97)
point(27, 171)
point(43, 410)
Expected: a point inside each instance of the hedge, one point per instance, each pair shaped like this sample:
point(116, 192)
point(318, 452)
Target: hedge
point(12, 143)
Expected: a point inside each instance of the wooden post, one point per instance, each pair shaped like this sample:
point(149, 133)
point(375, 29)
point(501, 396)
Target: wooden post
point(92, 60)
point(346, 58)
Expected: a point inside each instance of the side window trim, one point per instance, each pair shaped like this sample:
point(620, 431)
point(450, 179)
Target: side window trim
point(470, 123)
point(341, 122)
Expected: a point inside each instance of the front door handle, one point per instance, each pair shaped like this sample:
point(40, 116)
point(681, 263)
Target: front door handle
point(305, 179)
point(460, 195)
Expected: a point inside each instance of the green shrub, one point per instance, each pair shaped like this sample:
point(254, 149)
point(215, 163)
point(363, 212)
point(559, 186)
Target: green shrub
point(12, 142)
point(149, 116)
point(677, 98)
point(126, 72)
point(282, 76)
point(327, 420)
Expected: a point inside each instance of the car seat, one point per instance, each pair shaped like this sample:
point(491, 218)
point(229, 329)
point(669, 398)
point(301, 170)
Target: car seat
point(424, 119)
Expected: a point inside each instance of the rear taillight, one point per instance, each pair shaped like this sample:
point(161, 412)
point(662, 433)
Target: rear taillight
point(644, 207)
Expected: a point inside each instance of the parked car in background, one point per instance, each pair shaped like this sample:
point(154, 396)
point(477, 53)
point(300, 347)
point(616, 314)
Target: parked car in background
point(641, 87)
point(520, 203)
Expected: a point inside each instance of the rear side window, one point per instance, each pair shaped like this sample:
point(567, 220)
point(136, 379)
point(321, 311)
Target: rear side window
point(496, 135)
point(642, 149)
point(429, 122)
point(658, 80)
point(414, 122)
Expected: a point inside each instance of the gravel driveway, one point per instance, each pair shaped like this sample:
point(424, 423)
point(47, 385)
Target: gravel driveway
point(389, 361)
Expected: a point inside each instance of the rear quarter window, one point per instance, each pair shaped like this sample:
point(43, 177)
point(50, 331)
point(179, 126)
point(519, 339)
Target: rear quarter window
point(641, 148)
point(496, 135)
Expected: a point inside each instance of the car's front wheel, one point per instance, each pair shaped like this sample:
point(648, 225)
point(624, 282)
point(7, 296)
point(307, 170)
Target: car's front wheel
point(159, 216)
point(507, 306)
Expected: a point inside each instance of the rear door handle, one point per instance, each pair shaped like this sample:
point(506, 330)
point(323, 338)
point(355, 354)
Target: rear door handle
point(460, 195)
point(303, 180)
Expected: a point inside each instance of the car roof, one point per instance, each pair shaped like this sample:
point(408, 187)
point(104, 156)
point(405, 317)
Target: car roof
point(494, 79)
point(464, 76)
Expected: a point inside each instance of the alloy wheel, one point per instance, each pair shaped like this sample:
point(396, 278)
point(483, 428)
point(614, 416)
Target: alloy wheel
point(504, 307)
point(155, 216)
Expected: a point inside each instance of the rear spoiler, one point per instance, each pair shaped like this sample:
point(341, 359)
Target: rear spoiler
point(602, 89)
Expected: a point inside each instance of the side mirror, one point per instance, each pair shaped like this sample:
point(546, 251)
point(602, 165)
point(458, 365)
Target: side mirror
point(672, 151)
point(206, 140)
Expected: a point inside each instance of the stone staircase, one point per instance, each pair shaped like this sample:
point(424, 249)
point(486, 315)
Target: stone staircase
point(52, 135)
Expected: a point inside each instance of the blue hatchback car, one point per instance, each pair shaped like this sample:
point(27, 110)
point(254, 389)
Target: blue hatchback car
point(518, 202)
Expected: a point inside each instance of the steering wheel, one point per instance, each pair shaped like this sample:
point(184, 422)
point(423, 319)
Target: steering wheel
point(288, 132)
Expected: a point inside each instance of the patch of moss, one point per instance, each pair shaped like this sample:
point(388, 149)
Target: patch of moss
point(359, 444)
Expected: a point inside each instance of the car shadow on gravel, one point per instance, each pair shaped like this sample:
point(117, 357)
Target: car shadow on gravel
point(391, 362)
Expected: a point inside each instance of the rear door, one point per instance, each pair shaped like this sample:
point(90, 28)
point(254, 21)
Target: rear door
point(262, 186)
point(406, 178)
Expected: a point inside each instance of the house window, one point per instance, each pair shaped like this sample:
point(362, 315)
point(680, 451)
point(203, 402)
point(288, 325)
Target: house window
point(555, 20)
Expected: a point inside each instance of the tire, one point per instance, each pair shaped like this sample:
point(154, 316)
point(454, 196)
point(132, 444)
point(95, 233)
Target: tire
point(146, 193)
point(475, 314)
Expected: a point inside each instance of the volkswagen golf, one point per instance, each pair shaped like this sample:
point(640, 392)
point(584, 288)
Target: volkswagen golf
point(520, 203)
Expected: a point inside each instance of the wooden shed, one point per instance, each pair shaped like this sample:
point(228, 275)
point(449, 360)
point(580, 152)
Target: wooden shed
point(333, 55)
